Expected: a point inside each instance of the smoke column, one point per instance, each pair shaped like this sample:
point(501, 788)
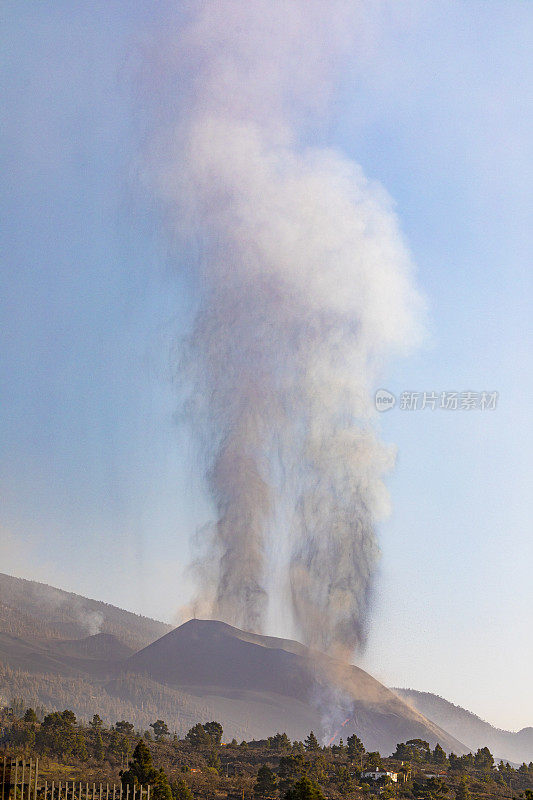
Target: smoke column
point(304, 290)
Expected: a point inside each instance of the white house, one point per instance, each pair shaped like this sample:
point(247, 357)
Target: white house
point(376, 774)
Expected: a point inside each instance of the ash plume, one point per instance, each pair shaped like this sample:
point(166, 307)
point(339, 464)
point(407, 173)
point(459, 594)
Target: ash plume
point(304, 289)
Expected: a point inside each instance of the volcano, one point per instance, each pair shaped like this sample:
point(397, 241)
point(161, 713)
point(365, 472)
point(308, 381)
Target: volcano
point(277, 684)
point(140, 670)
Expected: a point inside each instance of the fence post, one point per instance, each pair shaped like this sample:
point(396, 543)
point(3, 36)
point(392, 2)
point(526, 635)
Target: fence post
point(16, 776)
point(35, 778)
point(3, 777)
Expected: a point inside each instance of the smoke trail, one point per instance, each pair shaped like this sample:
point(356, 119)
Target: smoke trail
point(304, 288)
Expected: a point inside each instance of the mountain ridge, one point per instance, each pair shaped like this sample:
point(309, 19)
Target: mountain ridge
point(515, 746)
point(114, 673)
point(31, 610)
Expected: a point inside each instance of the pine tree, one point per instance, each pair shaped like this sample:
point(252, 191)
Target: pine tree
point(140, 769)
point(181, 791)
point(30, 715)
point(213, 760)
point(304, 789)
point(161, 787)
point(355, 746)
point(198, 736)
point(99, 750)
point(124, 727)
point(373, 760)
point(311, 743)
point(160, 729)
point(81, 748)
point(215, 731)
point(483, 759)
point(462, 792)
point(266, 782)
point(439, 756)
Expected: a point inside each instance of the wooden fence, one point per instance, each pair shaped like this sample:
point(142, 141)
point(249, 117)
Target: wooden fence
point(20, 781)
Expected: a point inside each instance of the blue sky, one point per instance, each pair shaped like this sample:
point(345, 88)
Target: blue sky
point(100, 487)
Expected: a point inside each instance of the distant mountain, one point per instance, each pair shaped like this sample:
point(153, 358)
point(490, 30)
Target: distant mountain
point(255, 685)
point(281, 685)
point(36, 611)
point(470, 729)
point(132, 667)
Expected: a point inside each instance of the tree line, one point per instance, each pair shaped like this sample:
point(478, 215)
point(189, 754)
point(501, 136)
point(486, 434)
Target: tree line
point(202, 765)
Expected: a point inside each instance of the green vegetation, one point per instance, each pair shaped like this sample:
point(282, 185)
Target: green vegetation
point(201, 766)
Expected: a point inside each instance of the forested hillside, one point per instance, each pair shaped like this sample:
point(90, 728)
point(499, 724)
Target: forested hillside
point(469, 728)
point(204, 763)
point(130, 697)
point(36, 611)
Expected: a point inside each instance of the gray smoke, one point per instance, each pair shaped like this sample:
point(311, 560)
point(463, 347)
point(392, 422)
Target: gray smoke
point(304, 290)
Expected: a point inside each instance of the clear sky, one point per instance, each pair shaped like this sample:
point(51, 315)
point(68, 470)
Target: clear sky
point(100, 490)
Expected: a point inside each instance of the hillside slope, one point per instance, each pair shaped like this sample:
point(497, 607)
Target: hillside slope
point(469, 728)
point(32, 610)
point(139, 669)
point(216, 662)
point(103, 646)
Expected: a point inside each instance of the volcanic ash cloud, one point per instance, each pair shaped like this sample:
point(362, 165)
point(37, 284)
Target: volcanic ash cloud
point(304, 290)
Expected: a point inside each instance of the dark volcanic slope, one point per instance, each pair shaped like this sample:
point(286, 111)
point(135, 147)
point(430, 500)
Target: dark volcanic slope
point(103, 646)
point(212, 659)
point(516, 747)
point(209, 653)
point(84, 657)
point(20, 654)
point(34, 610)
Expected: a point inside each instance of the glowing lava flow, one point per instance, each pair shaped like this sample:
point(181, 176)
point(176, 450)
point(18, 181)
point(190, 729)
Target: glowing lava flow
point(337, 732)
